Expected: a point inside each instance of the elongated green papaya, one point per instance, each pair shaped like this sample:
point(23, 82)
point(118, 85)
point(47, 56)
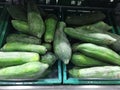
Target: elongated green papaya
point(17, 58)
point(61, 44)
point(99, 52)
point(109, 72)
point(18, 46)
point(35, 21)
point(90, 36)
point(76, 44)
point(50, 24)
point(21, 26)
point(114, 46)
point(84, 19)
point(79, 59)
point(102, 26)
point(23, 38)
point(28, 71)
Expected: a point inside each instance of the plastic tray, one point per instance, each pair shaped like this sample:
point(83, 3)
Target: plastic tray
point(55, 77)
point(88, 81)
point(44, 81)
point(77, 81)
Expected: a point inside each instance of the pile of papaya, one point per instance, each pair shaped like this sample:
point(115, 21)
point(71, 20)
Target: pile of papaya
point(86, 41)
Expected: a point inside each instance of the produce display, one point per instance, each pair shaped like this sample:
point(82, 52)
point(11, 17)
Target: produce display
point(95, 52)
point(84, 43)
point(26, 55)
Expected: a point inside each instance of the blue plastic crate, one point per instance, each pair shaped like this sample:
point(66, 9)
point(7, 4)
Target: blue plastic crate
point(45, 81)
point(76, 81)
point(55, 76)
point(90, 81)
